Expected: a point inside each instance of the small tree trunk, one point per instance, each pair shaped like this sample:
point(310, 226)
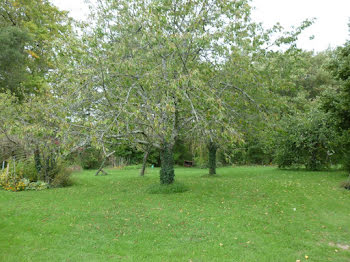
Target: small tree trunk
point(37, 160)
point(144, 163)
point(103, 163)
point(212, 148)
point(167, 173)
point(101, 168)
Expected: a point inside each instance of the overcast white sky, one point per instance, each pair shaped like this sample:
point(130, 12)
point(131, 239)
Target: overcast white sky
point(330, 29)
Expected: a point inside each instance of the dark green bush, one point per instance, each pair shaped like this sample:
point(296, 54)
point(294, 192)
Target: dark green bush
point(90, 158)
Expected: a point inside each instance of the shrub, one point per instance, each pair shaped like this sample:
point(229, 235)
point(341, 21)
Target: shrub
point(175, 187)
point(62, 178)
point(13, 183)
point(22, 175)
point(27, 169)
point(39, 185)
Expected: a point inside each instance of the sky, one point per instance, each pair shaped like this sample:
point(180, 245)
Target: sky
point(329, 30)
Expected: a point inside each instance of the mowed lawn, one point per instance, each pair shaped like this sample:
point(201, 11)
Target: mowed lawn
point(244, 214)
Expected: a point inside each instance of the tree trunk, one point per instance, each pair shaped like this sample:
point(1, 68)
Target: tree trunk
point(144, 163)
point(212, 157)
point(103, 163)
point(167, 173)
point(37, 160)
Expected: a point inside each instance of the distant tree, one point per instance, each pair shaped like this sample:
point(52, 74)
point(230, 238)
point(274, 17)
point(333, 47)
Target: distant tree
point(307, 139)
point(28, 39)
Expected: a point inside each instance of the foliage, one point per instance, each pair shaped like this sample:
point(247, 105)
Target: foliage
point(257, 148)
point(62, 178)
point(336, 100)
point(148, 77)
point(131, 154)
point(23, 175)
point(26, 169)
point(28, 33)
point(37, 186)
point(90, 158)
point(14, 182)
point(13, 59)
point(306, 139)
point(182, 151)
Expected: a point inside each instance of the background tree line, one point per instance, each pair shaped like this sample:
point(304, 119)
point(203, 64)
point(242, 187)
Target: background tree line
point(161, 82)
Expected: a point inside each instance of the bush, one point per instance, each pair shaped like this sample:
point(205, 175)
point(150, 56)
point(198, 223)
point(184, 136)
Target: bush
point(27, 169)
point(175, 187)
point(62, 178)
point(22, 175)
point(39, 185)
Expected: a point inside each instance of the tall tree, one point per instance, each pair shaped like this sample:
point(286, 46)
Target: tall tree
point(29, 30)
point(336, 100)
point(155, 64)
point(31, 38)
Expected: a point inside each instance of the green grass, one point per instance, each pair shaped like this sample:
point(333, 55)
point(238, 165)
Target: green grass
point(244, 214)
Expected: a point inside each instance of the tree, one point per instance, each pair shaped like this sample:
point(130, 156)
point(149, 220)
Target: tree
point(13, 59)
point(31, 36)
point(155, 64)
point(336, 100)
point(29, 31)
point(307, 139)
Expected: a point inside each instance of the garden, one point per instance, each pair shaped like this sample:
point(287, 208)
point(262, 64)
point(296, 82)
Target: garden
point(170, 131)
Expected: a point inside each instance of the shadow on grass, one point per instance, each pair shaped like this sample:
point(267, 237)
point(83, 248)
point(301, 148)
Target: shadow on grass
point(173, 188)
point(303, 169)
point(212, 176)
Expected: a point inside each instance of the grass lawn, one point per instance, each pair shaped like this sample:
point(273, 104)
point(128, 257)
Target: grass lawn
point(244, 214)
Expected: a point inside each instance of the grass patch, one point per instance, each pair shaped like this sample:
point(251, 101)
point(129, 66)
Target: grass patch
point(250, 214)
point(173, 188)
point(210, 176)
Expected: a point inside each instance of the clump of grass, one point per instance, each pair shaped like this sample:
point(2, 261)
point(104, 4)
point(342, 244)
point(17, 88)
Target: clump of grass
point(346, 184)
point(173, 188)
